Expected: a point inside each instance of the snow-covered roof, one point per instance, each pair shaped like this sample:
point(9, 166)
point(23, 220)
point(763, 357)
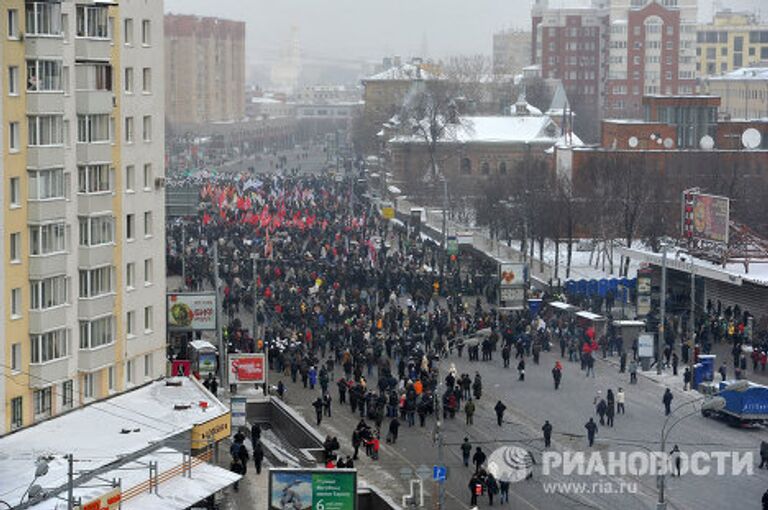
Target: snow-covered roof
point(745, 73)
point(266, 100)
point(403, 72)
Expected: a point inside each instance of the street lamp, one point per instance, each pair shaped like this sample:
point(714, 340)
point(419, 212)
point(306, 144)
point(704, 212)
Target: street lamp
point(710, 404)
point(663, 311)
point(34, 490)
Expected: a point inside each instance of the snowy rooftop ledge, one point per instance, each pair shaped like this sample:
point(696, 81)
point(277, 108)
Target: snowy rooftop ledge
point(101, 434)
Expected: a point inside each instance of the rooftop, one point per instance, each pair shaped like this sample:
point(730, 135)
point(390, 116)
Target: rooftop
point(745, 73)
point(402, 72)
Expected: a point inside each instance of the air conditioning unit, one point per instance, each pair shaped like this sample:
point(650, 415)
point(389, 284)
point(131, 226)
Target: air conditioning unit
point(159, 182)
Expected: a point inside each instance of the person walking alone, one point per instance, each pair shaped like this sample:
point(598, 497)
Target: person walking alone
point(557, 374)
point(547, 431)
point(500, 408)
point(466, 451)
point(591, 427)
point(667, 400)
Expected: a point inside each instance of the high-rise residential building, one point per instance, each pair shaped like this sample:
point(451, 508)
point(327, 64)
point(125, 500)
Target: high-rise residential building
point(652, 51)
point(511, 51)
point(205, 71)
point(743, 92)
point(733, 40)
point(81, 229)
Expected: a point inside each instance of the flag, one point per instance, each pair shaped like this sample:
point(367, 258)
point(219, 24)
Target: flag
point(206, 218)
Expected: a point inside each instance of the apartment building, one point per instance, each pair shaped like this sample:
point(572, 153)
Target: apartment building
point(81, 138)
point(744, 92)
point(205, 76)
point(511, 51)
point(733, 40)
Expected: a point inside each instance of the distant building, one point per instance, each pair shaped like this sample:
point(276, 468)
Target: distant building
point(744, 92)
point(204, 70)
point(733, 40)
point(285, 73)
point(511, 51)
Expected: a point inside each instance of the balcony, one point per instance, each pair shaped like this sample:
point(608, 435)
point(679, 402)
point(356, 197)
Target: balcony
point(94, 152)
point(43, 210)
point(90, 360)
point(93, 49)
point(46, 156)
point(43, 266)
point(91, 308)
point(43, 45)
point(41, 321)
point(94, 101)
point(88, 203)
point(42, 375)
point(94, 256)
point(45, 102)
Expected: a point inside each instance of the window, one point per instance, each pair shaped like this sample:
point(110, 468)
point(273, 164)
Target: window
point(129, 129)
point(13, 24)
point(130, 226)
point(92, 21)
point(42, 400)
point(130, 323)
point(128, 31)
point(147, 176)
point(13, 137)
point(147, 319)
point(15, 303)
point(147, 365)
point(130, 178)
point(148, 224)
point(738, 59)
point(485, 168)
point(16, 357)
point(148, 271)
point(146, 32)
point(96, 230)
point(17, 413)
point(146, 80)
point(96, 282)
point(129, 368)
point(466, 166)
point(93, 77)
point(44, 76)
point(15, 247)
point(48, 292)
point(764, 53)
point(93, 128)
point(111, 378)
point(46, 184)
point(47, 239)
point(128, 81)
point(130, 275)
point(15, 191)
point(147, 128)
point(13, 80)
point(43, 18)
point(97, 333)
point(503, 168)
point(88, 385)
point(46, 130)
point(94, 178)
point(67, 394)
point(49, 346)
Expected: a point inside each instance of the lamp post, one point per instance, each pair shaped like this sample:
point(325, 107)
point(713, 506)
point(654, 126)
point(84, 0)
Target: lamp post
point(663, 309)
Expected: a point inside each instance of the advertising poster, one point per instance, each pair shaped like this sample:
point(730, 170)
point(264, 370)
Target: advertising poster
point(322, 489)
point(196, 312)
point(246, 368)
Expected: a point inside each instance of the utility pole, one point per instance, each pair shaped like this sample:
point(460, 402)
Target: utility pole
point(663, 301)
point(692, 319)
point(70, 482)
point(219, 336)
point(445, 233)
point(183, 256)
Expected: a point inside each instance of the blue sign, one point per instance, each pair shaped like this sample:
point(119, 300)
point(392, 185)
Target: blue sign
point(439, 473)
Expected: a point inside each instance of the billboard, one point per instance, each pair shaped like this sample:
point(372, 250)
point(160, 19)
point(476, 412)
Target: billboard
point(511, 274)
point(192, 311)
point(312, 489)
point(246, 368)
point(512, 278)
point(706, 217)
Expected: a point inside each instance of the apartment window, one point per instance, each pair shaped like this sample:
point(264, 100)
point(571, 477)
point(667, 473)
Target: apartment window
point(148, 224)
point(46, 184)
point(147, 176)
point(148, 272)
point(13, 137)
point(93, 77)
point(97, 333)
point(42, 400)
point(96, 282)
point(147, 128)
point(67, 394)
point(88, 385)
point(48, 292)
point(44, 76)
point(92, 21)
point(15, 303)
point(130, 323)
point(128, 80)
point(15, 191)
point(129, 129)
point(47, 239)
point(148, 321)
point(43, 18)
point(16, 357)
point(130, 275)
point(15, 246)
point(147, 365)
point(13, 24)
point(111, 378)
point(49, 346)
point(94, 178)
point(130, 226)
point(146, 32)
point(130, 177)
point(93, 128)
point(13, 80)
point(46, 130)
point(128, 31)
point(17, 413)
point(146, 80)
point(96, 230)
point(129, 368)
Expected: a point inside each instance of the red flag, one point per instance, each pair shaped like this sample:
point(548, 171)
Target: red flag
point(241, 203)
point(206, 218)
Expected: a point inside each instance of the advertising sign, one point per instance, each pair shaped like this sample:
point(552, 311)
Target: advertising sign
point(196, 312)
point(706, 217)
point(316, 489)
point(181, 368)
point(645, 345)
point(246, 368)
point(388, 213)
point(511, 274)
point(237, 406)
point(215, 430)
point(109, 501)
point(452, 245)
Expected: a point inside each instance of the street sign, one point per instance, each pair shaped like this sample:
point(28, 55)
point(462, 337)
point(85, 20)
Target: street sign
point(439, 473)
point(452, 245)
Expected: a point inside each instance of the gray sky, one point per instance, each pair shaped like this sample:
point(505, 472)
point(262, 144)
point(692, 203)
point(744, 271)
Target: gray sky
point(370, 29)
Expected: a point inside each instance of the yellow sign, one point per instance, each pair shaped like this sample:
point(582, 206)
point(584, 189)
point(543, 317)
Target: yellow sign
point(388, 213)
point(213, 430)
point(109, 501)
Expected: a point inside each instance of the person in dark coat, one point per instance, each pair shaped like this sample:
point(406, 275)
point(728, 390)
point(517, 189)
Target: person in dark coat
point(521, 370)
point(557, 375)
point(466, 451)
point(394, 428)
point(476, 489)
point(478, 459)
point(667, 400)
point(258, 456)
point(342, 384)
point(500, 408)
point(492, 487)
point(610, 409)
point(602, 408)
point(763, 454)
point(255, 433)
point(547, 430)
point(591, 427)
point(686, 379)
point(213, 385)
point(327, 401)
point(318, 405)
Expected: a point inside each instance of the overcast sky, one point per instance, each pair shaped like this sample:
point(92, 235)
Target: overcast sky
point(370, 29)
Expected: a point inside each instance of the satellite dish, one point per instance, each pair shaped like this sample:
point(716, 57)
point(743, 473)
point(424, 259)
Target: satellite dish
point(707, 143)
point(633, 141)
point(668, 143)
point(653, 136)
point(659, 140)
point(751, 138)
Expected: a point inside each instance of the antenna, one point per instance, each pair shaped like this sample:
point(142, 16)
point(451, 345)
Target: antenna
point(751, 138)
point(707, 143)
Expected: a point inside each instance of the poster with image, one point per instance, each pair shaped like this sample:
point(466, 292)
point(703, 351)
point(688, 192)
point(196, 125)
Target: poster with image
point(321, 489)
